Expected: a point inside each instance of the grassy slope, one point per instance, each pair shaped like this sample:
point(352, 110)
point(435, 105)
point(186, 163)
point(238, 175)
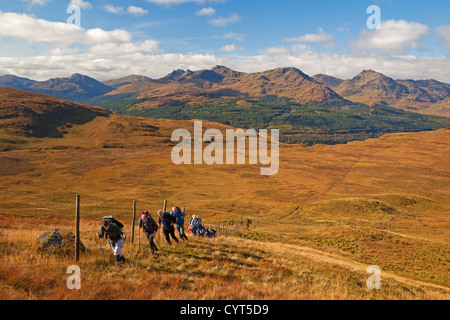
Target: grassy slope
point(383, 201)
point(329, 123)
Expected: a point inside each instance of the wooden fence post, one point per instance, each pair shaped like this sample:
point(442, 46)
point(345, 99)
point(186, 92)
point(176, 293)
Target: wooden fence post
point(134, 221)
point(77, 227)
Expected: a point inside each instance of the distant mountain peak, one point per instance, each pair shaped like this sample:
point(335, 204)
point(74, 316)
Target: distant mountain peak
point(327, 80)
point(370, 74)
point(226, 72)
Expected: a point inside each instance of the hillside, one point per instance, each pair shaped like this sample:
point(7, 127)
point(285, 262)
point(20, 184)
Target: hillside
point(330, 212)
point(372, 88)
point(311, 123)
point(34, 115)
point(314, 228)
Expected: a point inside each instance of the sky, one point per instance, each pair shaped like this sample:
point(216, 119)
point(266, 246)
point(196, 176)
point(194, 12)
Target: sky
point(42, 39)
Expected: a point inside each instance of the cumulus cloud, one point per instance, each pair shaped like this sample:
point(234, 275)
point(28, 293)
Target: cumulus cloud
point(206, 12)
point(80, 3)
point(229, 48)
point(104, 67)
point(39, 2)
point(234, 36)
point(137, 11)
point(112, 54)
point(125, 60)
point(394, 37)
point(346, 66)
point(313, 37)
point(223, 22)
point(113, 9)
point(32, 29)
point(124, 48)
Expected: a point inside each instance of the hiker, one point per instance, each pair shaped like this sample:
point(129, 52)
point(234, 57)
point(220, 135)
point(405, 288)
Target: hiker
point(196, 226)
point(150, 227)
point(115, 236)
point(179, 223)
point(113, 220)
point(167, 222)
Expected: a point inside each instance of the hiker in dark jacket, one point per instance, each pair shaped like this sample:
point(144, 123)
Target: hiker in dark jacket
point(179, 223)
point(167, 222)
point(115, 236)
point(150, 227)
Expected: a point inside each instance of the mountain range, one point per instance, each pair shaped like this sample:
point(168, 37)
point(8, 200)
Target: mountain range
point(77, 88)
point(372, 88)
point(206, 86)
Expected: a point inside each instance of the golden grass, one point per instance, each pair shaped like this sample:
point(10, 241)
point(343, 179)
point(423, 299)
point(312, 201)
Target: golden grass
point(383, 201)
point(222, 268)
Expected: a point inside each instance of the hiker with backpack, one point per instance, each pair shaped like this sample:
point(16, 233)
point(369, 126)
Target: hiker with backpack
point(196, 226)
point(168, 222)
point(114, 234)
point(179, 223)
point(150, 227)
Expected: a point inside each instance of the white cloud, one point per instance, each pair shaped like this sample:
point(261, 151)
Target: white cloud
point(80, 3)
point(112, 54)
point(131, 59)
point(137, 11)
point(206, 12)
point(394, 37)
point(444, 32)
point(346, 66)
point(32, 29)
point(313, 37)
point(124, 48)
point(235, 36)
point(104, 67)
point(113, 9)
point(223, 22)
point(38, 2)
point(229, 48)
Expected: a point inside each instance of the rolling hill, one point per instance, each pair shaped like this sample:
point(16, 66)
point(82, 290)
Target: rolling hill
point(314, 228)
point(331, 122)
point(34, 115)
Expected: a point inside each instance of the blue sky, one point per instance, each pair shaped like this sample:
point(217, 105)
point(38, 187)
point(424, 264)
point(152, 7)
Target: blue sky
point(153, 37)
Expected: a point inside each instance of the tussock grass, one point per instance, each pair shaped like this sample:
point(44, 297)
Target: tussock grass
point(221, 268)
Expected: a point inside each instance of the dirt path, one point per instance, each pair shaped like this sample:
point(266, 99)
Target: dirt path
point(334, 259)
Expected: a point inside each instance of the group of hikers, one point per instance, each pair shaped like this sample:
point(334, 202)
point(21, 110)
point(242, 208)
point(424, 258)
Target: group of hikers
point(112, 229)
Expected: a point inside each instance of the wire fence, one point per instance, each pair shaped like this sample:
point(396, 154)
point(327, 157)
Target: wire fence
point(51, 207)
